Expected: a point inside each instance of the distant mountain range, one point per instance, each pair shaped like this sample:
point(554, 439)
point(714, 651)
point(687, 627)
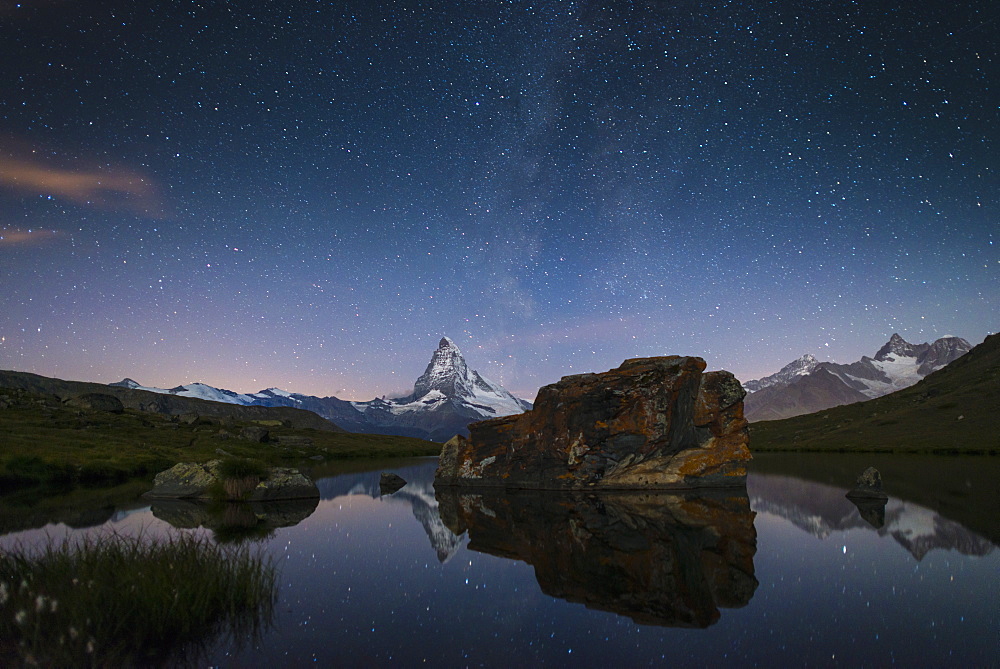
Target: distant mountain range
point(806, 385)
point(952, 410)
point(445, 399)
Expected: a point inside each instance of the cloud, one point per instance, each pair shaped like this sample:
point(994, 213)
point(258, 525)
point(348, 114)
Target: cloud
point(17, 236)
point(109, 189)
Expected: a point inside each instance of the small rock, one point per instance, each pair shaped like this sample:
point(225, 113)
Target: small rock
point(868, 485)
point(255, 433)
point(390, 483)
point(284, 483)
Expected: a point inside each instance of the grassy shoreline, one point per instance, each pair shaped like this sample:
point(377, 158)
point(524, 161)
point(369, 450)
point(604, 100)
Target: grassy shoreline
point(48, 442)
point(113, 600)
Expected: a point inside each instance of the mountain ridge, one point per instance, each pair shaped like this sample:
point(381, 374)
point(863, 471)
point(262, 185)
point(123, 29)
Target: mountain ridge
point(805, 385)
point(951, 410)
point(445, 399)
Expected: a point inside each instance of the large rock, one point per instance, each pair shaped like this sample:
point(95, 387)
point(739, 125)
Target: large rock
point(651, 423)
point(192, 480)
point(97, 402)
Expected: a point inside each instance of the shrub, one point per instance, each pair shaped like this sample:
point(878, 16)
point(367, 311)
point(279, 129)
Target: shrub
point(239, 476)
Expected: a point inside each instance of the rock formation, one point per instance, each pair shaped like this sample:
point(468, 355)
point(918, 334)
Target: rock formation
point(661, 558)
point(192, 480)
point(97, 402)
point(650, 423)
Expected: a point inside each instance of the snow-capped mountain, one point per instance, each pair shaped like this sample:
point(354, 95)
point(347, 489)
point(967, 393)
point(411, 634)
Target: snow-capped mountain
point(786, 375)
point(807, 389)
point(445, 399)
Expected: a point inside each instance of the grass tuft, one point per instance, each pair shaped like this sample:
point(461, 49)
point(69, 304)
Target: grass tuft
point(129, 601)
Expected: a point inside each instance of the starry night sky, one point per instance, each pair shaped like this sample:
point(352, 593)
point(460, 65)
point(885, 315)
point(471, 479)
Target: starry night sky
point(308, 195)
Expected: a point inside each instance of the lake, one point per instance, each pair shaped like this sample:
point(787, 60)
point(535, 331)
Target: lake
point(787, 572)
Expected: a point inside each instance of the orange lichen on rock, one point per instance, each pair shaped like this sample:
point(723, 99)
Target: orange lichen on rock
point(651, 423)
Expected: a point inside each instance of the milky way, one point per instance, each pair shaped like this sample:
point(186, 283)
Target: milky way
point(308, 195)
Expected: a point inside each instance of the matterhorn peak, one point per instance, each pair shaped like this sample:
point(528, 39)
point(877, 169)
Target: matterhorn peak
point(446, 373)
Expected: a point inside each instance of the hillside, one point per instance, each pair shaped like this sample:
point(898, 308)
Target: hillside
point(955, 409)
point(91, 438)
point(175, 405)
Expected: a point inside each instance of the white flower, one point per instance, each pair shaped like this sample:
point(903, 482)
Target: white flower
point(20, 617)
point(39, 603)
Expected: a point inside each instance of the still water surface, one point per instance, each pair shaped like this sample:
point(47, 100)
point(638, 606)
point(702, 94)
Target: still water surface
point(790, 573)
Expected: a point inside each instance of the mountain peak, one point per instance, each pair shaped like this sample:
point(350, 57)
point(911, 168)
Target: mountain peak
point(447, 372)
point(126, 383)
point(787, 374)
point(897, 347)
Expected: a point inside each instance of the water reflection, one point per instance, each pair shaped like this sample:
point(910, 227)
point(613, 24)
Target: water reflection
point(660, 559)
point(418, 493)
point(234, 522)
point(822, 509)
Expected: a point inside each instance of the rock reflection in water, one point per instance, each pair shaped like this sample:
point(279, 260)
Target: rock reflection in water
point(659, 558)
point(234, 522)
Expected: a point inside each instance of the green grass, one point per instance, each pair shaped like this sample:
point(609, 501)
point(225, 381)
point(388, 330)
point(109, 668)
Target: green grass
point(129, 601)
point(47, 442)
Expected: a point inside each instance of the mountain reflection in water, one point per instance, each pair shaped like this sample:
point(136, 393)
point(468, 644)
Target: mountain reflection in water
point(418, 493)
point(822, 509)
point(661, 559)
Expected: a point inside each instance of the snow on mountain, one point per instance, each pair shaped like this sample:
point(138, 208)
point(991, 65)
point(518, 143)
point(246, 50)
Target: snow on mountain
point(448, 378)
point(810, 386)
point(899, 364)
point(787, 374)
point(445, 399)
point(197, 390)
point(449, 374)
